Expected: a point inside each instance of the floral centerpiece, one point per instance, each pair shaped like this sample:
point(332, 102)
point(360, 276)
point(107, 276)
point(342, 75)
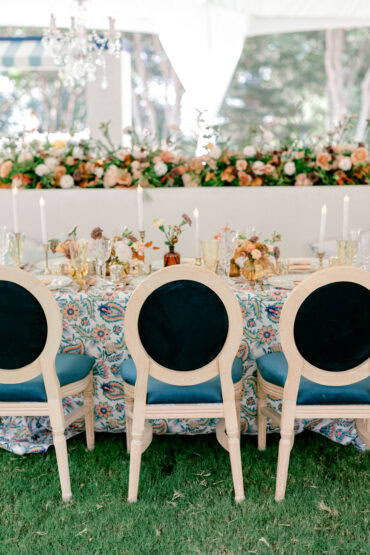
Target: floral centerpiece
point(98, 164)
point(252, 257)
point(172, 233)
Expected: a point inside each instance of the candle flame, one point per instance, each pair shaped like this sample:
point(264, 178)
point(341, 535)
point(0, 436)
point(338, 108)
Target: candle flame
point(42, 201)
point(139, 189)
point(324, 209)
point(15, 191)
point(196, 213)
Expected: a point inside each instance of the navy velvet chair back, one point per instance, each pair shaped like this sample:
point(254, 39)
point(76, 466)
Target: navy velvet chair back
point(23, 326)
point(331, 328)
point(183, 325)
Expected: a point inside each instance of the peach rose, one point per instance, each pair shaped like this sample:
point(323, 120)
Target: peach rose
point(124, 178)
point(323, 160)
point(5, 168)
point(244, 179)
point(359, 155)
point(302, 180)
point(59, 171)
point(70, 160)
point(190, 180)
point(167, 157)
point(241, 165)
point(269, 169)
point(256, 254)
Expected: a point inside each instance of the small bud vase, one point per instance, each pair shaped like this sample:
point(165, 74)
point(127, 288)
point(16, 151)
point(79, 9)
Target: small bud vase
point(171, 257)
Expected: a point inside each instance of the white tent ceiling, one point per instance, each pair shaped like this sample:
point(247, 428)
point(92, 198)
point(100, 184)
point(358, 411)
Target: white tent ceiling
point(203, 38)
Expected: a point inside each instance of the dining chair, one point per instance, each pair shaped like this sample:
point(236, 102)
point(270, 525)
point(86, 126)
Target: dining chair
point(183, 327)
point(323, 371)
point(34, 379)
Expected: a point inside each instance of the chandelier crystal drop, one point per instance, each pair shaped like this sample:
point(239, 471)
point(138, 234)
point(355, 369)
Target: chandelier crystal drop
point(79, 53)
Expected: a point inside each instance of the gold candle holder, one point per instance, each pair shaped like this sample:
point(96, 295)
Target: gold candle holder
point(142, 236)
point(321, 259)
point(46, 249)
point(18, 237)
point(198, 261)
point(346, 252)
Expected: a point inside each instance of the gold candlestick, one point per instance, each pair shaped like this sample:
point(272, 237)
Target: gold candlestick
point(46, 249)
point(18, 236)
point(321, 259)
point(142, 236)
point(198, 261)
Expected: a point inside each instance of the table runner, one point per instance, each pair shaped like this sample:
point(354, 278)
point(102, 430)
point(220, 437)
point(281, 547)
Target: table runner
point(93, 324)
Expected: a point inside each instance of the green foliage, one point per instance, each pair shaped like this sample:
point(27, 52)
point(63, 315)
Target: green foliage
point(186, 500)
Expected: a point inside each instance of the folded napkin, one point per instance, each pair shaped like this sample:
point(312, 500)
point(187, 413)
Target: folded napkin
point(300, 265)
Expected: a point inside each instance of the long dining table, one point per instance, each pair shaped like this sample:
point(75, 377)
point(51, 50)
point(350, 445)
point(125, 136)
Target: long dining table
point(93, 324)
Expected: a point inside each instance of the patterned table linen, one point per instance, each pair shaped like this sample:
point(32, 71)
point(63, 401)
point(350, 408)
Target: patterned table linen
point(93, 324)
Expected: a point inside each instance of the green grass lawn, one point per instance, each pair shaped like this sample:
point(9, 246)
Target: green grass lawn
point(186, 499)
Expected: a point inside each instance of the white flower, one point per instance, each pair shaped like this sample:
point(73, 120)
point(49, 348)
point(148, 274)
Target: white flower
point(158, 222)
point(345, 163)
point(98, 171)
point(78, 153)
point(268, 136)
point(120, 154)
point(51, 162)
point(17, 182)
point(215, 152)
point(258, 168)
point(123, 251)
point(256, 254)
point(66, 181)
point(25, 156)
point(160, 168)
point(41, 170)
point(249, 151)
point(289, 168)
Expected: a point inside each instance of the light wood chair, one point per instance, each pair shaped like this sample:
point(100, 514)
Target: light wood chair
point(33, 378)
point(183, 327)
point(323, 371)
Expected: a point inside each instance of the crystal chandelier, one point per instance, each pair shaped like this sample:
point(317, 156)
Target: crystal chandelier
point(79, 53)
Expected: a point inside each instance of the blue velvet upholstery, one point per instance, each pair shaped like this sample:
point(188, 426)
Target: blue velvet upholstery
point(274, 369)
point(70, 369)
point(331, 328)
point(183, 325)
point(162, 393)
point(23, 326)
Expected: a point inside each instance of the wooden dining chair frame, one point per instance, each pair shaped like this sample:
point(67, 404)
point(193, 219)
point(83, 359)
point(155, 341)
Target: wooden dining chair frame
point(45, 364)
point(298, 366)
point(138, 412)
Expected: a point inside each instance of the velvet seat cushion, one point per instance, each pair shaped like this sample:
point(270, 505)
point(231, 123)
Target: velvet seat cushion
point(162, 393)
point(69, 368)
point(274, 369)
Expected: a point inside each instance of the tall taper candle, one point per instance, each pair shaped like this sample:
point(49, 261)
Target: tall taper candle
point(345, 217)
point(15, 209)
point(322, 228)
point(44, 235)
point(140, 216)
point(196, 226)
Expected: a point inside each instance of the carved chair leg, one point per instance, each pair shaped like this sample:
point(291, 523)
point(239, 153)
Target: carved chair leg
point(135, 462)
point(285, 447)
point(60, 443)
point(363, 430)
point(128, 409)
point(233, 438)
point(89, 416)
point(261, 419)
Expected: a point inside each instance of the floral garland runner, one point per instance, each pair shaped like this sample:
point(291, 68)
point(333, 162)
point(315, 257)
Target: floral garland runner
point(66, 165)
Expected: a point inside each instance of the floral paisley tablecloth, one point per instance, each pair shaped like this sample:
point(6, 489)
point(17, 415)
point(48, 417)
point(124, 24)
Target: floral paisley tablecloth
point(93, 324)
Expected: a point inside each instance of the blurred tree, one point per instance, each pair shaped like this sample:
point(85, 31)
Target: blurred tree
point(301, 84)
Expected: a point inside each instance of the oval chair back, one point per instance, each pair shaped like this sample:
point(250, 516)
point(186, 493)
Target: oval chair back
point(30, 328)
point(324, 327)
point(184, 325)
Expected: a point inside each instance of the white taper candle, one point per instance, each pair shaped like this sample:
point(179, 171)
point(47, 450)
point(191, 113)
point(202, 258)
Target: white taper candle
point(140, 212)
point(15, 209)
point(345, 217)
point(196, 226)
point(44, 234)
point(322, 228)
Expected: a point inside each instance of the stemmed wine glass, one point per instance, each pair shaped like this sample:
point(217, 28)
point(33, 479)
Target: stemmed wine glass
point(103, 249)
point(4, 243)
point(364, 250)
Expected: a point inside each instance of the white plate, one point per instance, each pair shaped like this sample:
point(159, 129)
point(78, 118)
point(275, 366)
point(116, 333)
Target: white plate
point(55, 282)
